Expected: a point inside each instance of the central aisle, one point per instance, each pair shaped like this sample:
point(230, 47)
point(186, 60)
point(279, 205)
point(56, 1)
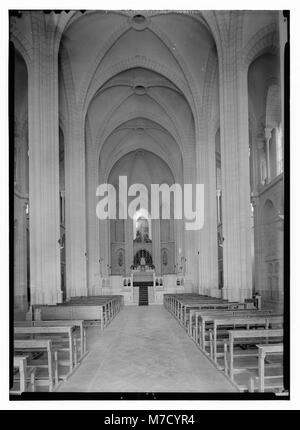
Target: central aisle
point(144, 349)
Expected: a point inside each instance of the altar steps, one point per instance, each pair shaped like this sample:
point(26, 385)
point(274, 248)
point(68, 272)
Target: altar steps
point(143, 296)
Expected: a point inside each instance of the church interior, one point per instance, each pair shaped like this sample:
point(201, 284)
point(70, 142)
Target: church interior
point(143, 304)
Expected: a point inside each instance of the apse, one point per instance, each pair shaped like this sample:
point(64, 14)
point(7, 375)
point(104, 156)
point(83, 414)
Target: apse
point(141, 236)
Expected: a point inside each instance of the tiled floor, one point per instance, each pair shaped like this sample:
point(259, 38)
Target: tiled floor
point(144, 349)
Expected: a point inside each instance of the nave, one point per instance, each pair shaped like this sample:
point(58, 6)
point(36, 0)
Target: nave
point(144, 350)
point(187, 104)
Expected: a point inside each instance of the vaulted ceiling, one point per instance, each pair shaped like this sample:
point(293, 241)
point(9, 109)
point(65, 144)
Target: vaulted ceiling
point(137, 78)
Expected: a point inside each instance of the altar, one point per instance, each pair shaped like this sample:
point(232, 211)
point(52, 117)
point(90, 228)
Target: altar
point(143, 277)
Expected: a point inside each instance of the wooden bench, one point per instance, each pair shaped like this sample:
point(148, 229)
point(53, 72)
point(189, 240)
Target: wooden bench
point(221, 326)
point(187, 307)
point(43, 346)
point(62, 340)
point(93, 310)
point(204, 320)
point(111, 305)
point(230, 308)
point(185, 304)
point(88, 313)
point(81, 338)
point(233, 351)
point(172, 301)
point(273, 382)
point(181, 304)
point(25, 376)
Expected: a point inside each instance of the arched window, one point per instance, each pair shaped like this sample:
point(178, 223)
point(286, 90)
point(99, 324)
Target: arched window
point(142, 226)
point(279, 147)
point(274, 143)
point(142, 230)
point(273, 154)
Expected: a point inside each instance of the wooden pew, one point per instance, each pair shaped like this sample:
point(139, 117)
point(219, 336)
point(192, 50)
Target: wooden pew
point(92, 309)
point(207, 304)
point(111, 305)
point(205, 323)
point(81, 339)
point(180, 305)
point(185, 304)
point(45, 347)
point(275, 381)
point(224, 324)
point(172, 301)
point(25, 376)
point(204, 320)
point(62, 340)
point(87, 313)
point(234, 307)
point(233, 352)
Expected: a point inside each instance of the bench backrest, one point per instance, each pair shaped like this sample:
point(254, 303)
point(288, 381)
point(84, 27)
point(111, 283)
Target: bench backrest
point(46, 323)
point(54, 323)
point(228, 312)
point(69, 312)
point(251, 319)
point(244, 334)
point(213, 304)
point(211, 317)
point(43, 330)
point(32, 344)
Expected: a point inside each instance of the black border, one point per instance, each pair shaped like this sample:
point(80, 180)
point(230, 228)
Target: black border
point(286, 183)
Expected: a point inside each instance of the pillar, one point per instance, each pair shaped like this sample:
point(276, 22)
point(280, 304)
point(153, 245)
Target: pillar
point(93, 255)
point(20, 204)
point(234, 129)
point(268, 135)
point(128, 235)
point(207, 245)
point(156, 246)
point(20, 254)
point(45, 279)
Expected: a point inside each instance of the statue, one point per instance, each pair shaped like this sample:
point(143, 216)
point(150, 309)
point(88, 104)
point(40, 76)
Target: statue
point(142, 262)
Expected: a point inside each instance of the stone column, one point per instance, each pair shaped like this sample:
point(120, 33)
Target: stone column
point(76, 228)
point(178, 241)
point(45, 279)
point(207, 250)
point(190, 236)
point(20, 254)
point(208, 247)
point(93, 269)
point(20, 204)
point(234, 129)
point(268, 136)
point(128, 226)
point(156, 246)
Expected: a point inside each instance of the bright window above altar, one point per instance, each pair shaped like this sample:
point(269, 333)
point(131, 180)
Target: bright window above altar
point(142, 226)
